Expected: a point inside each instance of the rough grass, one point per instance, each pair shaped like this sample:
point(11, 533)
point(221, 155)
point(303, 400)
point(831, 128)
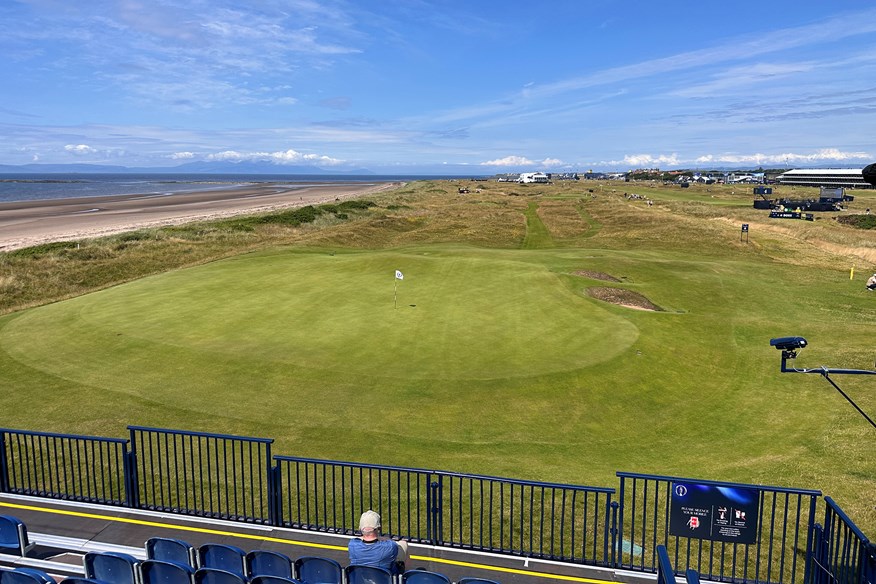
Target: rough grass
point(265, 336)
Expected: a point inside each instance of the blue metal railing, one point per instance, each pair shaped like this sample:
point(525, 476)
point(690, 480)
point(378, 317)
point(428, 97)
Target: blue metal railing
point(64, 466)
point(785, 517)
point(237, 478)
point(545, 520)
point(329, 495)
point(842, 554)
point(197, 473)
point(542, 520)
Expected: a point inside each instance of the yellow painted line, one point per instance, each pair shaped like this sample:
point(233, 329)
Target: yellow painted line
point(170, 526)
point(512, 570)
point(294, 542)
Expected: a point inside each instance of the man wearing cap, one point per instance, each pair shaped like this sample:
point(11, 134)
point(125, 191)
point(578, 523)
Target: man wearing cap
point(373, 550)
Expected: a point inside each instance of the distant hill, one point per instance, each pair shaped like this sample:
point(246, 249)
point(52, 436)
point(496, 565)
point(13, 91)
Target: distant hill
point(202, 167)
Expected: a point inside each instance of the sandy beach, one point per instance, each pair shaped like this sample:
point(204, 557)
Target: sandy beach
point(27, 223)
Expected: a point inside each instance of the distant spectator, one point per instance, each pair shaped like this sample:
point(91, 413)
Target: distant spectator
point(373, 550)
point(871, 283)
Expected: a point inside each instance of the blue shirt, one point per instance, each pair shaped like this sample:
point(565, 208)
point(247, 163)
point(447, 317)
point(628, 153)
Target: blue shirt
point(380, 553)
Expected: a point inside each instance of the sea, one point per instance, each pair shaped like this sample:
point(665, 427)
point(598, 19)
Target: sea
point(33, 187)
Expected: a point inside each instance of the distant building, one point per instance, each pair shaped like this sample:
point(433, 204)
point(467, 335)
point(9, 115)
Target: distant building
point(534, 177)
point(849, 178)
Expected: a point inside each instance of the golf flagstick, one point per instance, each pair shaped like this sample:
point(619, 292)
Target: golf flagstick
point(398, 276)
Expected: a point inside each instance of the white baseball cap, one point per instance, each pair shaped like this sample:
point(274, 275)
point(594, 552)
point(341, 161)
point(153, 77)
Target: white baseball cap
point(369, 521)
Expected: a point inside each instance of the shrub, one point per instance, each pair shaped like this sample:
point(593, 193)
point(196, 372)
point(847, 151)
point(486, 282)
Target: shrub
point(43, 249)
point(293, 217)
point(858, 221)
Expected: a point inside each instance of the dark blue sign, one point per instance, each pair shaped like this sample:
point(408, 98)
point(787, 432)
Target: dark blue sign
point(711, 512)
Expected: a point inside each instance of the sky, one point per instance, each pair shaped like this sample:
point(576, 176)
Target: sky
point(444, 87)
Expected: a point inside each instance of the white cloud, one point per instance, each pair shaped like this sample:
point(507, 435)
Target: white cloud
point(550, 162)
point(648, 160)
point(280, 157)
point(822, 155)
point(508, 161)
point(80, 149)
point(182, 155)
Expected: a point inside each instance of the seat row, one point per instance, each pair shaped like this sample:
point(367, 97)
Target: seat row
point(173, 561)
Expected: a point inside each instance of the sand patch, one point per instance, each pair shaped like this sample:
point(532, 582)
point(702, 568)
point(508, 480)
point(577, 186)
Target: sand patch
point(623, 297)
point(29, 223)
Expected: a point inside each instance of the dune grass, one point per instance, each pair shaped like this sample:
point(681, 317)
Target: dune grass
point(496, 359)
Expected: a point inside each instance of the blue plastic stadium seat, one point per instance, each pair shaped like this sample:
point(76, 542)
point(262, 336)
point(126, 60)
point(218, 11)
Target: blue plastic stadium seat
point(13, 536)
point(175, 551)
point(367, 575)
point(214, 576)
point(317, 570)
point(158, 572)
point(112, 567)
point(222, 557)
point(80, 580)
point(273, 580)
point(268, 563)
point(476, 581)
point(424, 577)
point(24, 576)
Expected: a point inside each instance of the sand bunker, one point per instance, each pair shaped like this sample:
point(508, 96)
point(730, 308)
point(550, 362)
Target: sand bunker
point(622, 297)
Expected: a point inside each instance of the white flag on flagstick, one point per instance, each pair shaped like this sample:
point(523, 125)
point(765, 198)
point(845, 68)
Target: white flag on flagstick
point(399, 275)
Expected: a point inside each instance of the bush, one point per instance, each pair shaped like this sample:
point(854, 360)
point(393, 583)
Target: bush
point(43, 249)
point(858, 221)
point(293, 217)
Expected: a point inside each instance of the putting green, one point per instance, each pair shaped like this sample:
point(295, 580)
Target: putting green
point(465, 314)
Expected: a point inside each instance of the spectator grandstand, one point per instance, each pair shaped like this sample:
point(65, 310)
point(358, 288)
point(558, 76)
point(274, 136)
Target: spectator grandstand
point(825, 177)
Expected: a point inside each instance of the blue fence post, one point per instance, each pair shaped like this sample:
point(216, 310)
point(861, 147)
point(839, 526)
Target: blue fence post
point(132, 485)
point(4, 467)
point(810, 544)
point(870, 564)
point(618, 538)
point(612, 539)
point(813, 556)
point(435, 510)
point(275, 496)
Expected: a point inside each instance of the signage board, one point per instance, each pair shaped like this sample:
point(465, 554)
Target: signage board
point(714, 512)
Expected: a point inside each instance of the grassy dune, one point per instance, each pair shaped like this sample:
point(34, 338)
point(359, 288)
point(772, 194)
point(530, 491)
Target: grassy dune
point(496, 359)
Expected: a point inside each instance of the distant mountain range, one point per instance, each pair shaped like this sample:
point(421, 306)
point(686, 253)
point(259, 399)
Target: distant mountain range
point(245, 167)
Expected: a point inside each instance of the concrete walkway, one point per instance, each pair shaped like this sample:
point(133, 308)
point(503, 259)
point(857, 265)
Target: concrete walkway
point(65, 531)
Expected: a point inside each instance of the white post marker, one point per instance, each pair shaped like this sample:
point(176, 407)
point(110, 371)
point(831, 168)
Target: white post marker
point(398, 276)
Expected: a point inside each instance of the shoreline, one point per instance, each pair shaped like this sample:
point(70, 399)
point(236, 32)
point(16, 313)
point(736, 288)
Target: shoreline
point(34, 222)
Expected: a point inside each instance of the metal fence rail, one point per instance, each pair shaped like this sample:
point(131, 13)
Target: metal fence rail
point(236, 478)
point(543, 520)
point(327, 495)
point(785, 518)
point(842, 554)
point(209, 475)
point(64, 466)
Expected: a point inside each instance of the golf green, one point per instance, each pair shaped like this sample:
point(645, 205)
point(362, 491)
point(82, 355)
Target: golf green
point(457, 314)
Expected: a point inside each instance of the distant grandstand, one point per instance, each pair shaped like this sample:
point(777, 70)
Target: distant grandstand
point(850, 178)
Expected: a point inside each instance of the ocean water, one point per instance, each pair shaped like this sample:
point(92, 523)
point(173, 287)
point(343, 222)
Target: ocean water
point(32, 187)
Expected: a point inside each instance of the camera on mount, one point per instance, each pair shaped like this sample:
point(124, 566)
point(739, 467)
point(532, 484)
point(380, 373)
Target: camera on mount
point(788, 344)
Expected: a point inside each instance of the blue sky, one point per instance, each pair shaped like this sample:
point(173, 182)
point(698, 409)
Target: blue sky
point(414, 86)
